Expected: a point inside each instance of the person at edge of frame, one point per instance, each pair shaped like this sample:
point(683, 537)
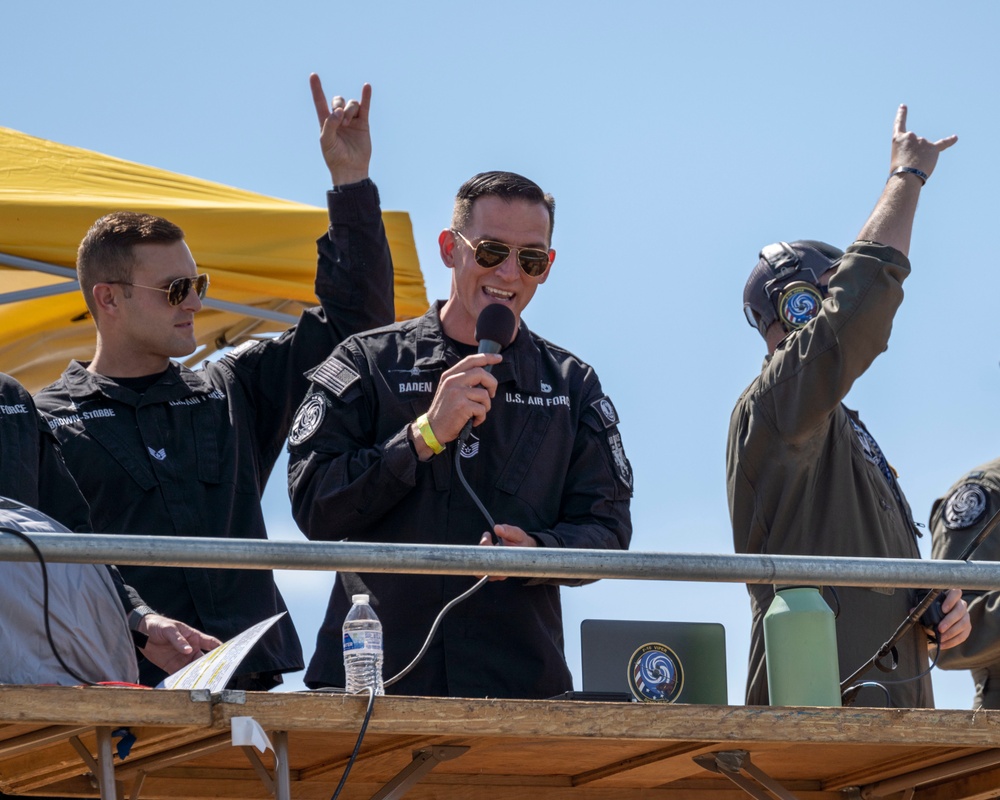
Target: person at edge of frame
point(92, 611)
point(956, 520)
point(804, 474)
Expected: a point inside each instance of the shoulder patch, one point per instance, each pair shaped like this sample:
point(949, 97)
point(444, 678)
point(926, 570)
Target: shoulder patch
point(605, 411)
point(243, 347)
point(307, 420)
point(965, 506)
point(335, 375)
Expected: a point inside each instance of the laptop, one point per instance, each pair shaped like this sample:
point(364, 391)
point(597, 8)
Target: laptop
point(667, 662)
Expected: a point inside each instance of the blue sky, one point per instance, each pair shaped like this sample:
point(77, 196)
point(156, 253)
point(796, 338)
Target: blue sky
point(677, 138)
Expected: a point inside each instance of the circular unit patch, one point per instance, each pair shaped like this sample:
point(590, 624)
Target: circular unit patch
point(965, 506)
point(655, 674)
point(307, 420)
point(609, 411)
point(799, 303)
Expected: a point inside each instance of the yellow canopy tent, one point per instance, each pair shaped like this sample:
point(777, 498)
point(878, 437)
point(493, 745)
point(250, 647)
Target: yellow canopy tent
point(260, 251)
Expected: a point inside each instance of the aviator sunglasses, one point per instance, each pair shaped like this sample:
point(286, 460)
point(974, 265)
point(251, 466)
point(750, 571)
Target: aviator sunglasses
point(492, 254)
point(178, 288)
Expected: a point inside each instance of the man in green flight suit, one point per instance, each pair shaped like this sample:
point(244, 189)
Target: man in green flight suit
point(804, 475)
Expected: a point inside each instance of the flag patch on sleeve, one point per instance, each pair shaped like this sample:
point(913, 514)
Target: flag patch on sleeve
point(335, 375)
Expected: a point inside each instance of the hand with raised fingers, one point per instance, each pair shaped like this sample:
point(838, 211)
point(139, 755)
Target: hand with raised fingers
point(912, 152)
point(345, 137)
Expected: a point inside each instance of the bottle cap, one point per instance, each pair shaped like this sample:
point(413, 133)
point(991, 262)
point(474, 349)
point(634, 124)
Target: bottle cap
point(359, 599)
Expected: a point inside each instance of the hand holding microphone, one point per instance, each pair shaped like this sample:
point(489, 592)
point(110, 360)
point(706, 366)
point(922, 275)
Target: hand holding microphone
point(494, 331)
point(465, 391)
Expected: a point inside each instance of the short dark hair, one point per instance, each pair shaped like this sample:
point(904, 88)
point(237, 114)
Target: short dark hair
point(106, 253)
point(508, 186)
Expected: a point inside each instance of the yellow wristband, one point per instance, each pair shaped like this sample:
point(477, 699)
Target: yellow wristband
point(424, 426)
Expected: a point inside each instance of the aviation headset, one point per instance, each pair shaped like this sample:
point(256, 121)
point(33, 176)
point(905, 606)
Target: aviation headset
point(784, 285)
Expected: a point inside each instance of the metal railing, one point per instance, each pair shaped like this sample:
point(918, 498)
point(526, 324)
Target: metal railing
point(554, 563)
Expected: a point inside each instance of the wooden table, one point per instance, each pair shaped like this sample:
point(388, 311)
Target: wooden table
point(52, 740)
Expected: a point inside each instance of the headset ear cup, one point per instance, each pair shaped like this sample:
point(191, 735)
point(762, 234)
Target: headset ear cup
point(799, 302)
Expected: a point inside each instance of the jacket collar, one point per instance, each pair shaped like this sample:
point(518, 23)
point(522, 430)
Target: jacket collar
point(521, 359)
point(176, 383)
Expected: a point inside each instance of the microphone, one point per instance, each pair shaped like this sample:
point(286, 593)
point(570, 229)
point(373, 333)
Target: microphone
point(494, 331)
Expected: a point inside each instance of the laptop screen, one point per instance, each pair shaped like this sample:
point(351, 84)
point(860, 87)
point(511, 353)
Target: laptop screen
point(671, 662)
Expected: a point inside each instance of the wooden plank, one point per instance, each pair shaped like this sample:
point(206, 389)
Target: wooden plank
point(32, 771)
point(982, 786)
point(165, 788)
point(632, 765)
point(659, 768)
point(621, 721)
point(891, 762)
point(101, 705)
point(543, 750)
point(179, 752)
point(329, 763)
point(29, 742)
point(537, 757)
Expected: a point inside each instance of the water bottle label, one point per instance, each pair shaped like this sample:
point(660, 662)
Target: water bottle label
point(363, 640)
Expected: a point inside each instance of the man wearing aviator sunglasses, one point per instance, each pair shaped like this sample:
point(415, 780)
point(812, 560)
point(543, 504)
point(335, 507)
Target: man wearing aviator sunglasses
point(178, 289)
point(489, 254)
point(375, 450)
point(163, 450)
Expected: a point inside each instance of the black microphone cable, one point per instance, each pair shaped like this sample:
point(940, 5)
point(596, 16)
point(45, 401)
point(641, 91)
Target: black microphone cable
point(45, 602)
point(928, 601)
point(494, 328)
point(849, 694)
point(357, 744)
point(430, 636)
point(464, 595)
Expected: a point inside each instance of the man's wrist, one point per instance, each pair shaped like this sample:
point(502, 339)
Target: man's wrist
point(919, 174)
point(136, 615)
point(417, 444)
point(346, 181)
point(423, 438)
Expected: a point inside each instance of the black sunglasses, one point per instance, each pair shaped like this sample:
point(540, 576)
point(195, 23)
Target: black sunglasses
point(177, 290)
point(489, 254)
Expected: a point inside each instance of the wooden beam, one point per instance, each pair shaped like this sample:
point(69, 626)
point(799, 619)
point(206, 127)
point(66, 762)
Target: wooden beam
point(102, 705)
point(29, 742)
point(619, 721)
point(176, 755)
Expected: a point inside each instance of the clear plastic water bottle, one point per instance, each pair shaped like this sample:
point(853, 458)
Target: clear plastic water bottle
point(362, 647)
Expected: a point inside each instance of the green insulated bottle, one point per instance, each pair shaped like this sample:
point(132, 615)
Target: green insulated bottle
point(800, 643)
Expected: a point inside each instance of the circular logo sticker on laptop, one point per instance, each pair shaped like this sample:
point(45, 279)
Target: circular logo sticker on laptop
point(655, 674)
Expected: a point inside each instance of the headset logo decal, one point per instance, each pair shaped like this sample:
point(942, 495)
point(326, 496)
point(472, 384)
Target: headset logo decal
point(655, 674)
point(799, 303)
